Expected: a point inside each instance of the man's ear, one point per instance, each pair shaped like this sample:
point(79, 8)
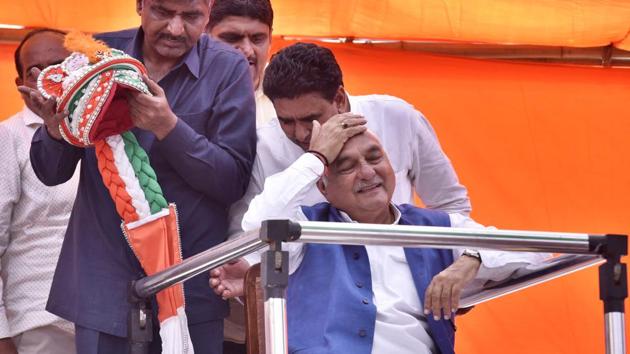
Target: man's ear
point(139, 6)
point(341, 100)
point(321, 185)
point(18, 81)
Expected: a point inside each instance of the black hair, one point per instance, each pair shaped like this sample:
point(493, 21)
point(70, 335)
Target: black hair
point(31, 34)
point(300, 69)
point(257, 9)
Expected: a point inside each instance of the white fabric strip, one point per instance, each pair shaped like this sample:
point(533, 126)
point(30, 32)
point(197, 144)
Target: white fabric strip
point(127, 174)
point(143, 221)
point(81, 106)
point(174, 334)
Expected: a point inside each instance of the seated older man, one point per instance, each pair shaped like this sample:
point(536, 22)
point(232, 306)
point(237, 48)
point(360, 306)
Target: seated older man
point(372, 299)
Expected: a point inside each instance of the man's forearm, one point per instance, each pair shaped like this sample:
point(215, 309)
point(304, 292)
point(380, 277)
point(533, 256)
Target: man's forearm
point(283, 192)
point(54, 162)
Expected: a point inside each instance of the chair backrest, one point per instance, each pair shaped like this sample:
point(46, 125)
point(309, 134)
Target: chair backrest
point(254, 312)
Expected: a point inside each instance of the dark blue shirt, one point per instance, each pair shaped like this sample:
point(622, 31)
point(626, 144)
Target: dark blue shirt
point(203, 165)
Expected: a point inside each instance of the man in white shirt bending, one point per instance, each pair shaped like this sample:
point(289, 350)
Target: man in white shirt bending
point(305, 84)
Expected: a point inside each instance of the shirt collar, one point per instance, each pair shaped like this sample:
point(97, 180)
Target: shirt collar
point(351, 100)
point(259, 92)
point(191, 59)
point(397, 214)
point(30, 118)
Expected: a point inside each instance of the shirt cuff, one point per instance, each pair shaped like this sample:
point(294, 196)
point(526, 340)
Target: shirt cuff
point(310, 163)
point(5, 331)
point(49, 141)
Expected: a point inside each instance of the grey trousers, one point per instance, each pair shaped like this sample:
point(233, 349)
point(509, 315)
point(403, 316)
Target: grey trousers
point(45, 340)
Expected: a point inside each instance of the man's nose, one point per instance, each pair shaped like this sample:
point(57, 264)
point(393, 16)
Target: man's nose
point(175, 26)
point(302, 133)
point(245, 46)
point(366, 171)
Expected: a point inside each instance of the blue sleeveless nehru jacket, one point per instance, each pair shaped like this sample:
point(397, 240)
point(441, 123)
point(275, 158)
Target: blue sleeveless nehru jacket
point(329, 298)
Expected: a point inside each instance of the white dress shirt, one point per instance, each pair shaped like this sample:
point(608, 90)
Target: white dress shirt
point(409, 140)
point(264, 107)
point(400, 323)
point(33, 221)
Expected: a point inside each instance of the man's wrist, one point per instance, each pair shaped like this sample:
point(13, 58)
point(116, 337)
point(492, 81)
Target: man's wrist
point(472, 254)
point(164, 130)
point(320, 156)
point(55, 135)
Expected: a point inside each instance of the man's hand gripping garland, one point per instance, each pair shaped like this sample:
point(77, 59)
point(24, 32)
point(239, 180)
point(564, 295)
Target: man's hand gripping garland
point(90, 84)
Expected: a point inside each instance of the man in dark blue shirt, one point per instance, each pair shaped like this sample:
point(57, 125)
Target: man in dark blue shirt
point(199, 132)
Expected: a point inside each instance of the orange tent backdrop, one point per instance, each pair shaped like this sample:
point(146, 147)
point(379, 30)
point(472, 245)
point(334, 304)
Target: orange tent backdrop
point(544, 22)
point(540, 147)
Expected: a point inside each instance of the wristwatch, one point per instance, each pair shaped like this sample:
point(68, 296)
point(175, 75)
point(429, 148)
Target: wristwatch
point(473, 254)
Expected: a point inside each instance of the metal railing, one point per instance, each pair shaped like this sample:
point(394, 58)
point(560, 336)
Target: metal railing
point(584, 250)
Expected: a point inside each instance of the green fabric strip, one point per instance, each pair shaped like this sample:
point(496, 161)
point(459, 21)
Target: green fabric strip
point(144, 173)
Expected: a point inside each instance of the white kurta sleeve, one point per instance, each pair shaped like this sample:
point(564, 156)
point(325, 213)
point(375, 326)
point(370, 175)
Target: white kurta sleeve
point(495, 265)
point(281, 198)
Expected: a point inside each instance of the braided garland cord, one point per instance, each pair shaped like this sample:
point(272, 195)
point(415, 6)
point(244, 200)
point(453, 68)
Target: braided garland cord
point(113, 182)
point(144, 173)
point(129, 177)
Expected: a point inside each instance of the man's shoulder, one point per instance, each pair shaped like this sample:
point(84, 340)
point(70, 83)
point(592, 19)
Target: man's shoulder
point(269, 130)
point(271, 134)
point(13, 133)
point(211, 49)
point(117, 39)
point(12, 124)
point(384, 108)
point(274, 150)
point(377, 100)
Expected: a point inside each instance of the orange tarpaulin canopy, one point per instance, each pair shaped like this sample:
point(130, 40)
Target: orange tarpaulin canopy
point(581, 23)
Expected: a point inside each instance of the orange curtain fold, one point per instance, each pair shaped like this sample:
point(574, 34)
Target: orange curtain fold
point(569, 23)
point(540, 147)
point(543, 22)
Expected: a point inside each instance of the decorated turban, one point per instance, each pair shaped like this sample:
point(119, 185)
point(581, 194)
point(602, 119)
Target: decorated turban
point(92, 85)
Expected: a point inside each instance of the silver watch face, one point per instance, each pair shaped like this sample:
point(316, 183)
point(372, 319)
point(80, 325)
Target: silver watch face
point(472, 253)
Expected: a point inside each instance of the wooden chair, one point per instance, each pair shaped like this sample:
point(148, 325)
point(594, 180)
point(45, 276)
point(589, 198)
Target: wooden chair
point(254, 312)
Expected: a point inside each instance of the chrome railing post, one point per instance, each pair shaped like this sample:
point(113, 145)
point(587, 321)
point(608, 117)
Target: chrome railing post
point(613, 290)
point(274, 276)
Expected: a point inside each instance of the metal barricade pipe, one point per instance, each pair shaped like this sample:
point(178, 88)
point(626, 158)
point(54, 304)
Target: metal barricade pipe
point(227, 251)
point(530, 276)
point(443, 237)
